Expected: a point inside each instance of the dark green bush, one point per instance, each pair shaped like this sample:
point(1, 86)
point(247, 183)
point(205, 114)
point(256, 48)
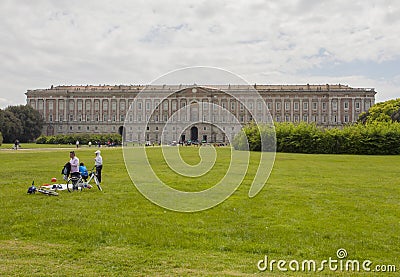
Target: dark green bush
point(82, 138)
point(379, 138)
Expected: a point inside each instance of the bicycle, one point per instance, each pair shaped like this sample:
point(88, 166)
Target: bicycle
point(79, 183)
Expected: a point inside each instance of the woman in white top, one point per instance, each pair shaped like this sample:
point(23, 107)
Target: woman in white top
point(98, 163)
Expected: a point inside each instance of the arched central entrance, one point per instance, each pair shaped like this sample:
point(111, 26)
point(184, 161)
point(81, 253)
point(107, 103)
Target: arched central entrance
point(194, 134)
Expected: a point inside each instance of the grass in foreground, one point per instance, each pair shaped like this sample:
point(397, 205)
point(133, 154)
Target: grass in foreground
point(311, 206)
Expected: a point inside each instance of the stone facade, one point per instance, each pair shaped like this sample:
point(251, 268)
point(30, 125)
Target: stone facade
point(104, 109)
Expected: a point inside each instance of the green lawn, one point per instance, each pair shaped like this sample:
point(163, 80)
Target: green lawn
point(311, 206)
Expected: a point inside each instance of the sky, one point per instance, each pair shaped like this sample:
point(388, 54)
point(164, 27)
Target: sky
point(74, 42)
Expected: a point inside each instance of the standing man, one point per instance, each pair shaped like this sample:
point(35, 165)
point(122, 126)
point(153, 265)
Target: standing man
point(74, 162)
point(77, 144)
point(98, 163)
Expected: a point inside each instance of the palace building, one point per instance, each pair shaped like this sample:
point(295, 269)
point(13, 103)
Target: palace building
point(105, 109)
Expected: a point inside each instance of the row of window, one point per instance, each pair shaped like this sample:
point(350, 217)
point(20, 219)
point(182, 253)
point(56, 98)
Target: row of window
point(313, 118)
point(224, 104)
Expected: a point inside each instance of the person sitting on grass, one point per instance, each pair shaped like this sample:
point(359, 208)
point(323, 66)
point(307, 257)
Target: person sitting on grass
point(83, 171)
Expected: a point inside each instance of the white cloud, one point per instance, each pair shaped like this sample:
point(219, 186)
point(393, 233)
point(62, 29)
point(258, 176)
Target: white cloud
point(114, 42)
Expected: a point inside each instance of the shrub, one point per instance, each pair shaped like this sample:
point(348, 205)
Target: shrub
point(379, 138)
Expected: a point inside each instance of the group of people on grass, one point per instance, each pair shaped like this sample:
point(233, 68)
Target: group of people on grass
point(79, 169)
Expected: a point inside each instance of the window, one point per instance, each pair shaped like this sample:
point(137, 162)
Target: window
point(60, 117)
point(367, 105)
point(122, 105)
point(71, 105)
point(250, 106)
point(269, 105)
point(71, 117)
point(114, 117)
point(50, 117)
point(174, 105)
point(87, 105)
point(139, 105)
point(87, 128)
point(314, 105)
point(241, 106)
point(346, 118)
point(314, 118)
point(139, 118)
point(148, 105)
point(278, 105)
point(232, 105)
point(80, 117)
point(87, 117)
point(305, 106)
point(346, 105)
point(324, 106)
point(105, 117)
point(183, 103)
point(278, 118)
point(305, 118)
point(287, 118)
point(287, 106)
point(334, 105)
point(61, 105)
point(96, 105)
point(105, 105)
point(165, 105)
point(296, 118)
point(224, 104)
point(51, 105)
point(335, 118)
point(296, 106)
point(114, 105)
point(357, 105)
point(259, 105)
point(157, 104)
point(80, 105)
point(121, 117)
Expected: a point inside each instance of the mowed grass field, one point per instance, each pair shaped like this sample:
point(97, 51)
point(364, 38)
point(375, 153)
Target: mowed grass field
point(311, 206)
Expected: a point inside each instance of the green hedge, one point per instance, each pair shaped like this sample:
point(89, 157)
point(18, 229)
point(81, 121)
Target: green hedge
point(1, 139)
point(372, 139)
point(83, 139)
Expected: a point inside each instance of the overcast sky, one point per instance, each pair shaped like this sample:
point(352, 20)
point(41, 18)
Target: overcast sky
point(44, 43)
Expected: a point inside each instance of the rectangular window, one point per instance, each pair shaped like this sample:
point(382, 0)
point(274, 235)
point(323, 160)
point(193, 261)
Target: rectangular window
point(346, 105)
point(148, 105)
point(105, 105)
point(324, 106)
point(60, 117)
point(122, 106)
point(278, 105)
point(233, 105)
point(51, 105)
point(334, 106)
point(314, 105)
point(114, 105)
point(305, 106)
point(96, 105)
point(105, 118)
point(87, 117)
point(287, 106)
point(357, 105)
point(269, 106)
point(174, 105)
point(346, 118)
point(139, 105)
point(259, 105)
point(296, 106)
point(305, 118)
point(287, 118)
point(61, 105)
point(87, 105)
point(165, 106)
point(50, 117)
point(121, 117)
point(80, 105)
point(205, 105)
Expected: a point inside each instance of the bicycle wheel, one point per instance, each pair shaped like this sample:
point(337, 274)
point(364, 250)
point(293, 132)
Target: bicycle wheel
point(71, 185)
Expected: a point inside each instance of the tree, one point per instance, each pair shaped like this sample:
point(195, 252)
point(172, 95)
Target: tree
point(31, 120)
point(388, 111)
point(10, 126)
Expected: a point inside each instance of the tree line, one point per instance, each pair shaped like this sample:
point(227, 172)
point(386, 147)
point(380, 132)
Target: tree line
point(20, 122)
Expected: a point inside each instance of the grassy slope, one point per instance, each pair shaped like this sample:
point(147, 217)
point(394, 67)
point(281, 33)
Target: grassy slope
point(311, 206)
